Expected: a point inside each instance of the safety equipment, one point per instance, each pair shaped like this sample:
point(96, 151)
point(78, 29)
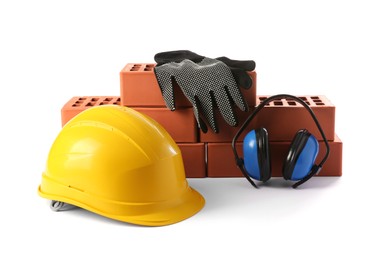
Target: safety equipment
point(239, 68)
point(205, 82)
point(300, 160)
point(121, 164)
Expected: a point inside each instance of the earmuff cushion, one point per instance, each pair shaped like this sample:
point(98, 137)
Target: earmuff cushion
point(306, 159)
point(263, 154)
point(301, 156)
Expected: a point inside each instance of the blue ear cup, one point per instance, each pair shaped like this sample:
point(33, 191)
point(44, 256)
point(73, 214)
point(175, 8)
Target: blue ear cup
point(257, 155)
point(301, 156)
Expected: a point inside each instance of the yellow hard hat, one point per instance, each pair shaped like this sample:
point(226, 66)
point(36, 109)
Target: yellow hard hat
point(121, 164)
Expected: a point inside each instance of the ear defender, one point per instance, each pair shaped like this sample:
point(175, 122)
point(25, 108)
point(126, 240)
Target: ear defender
point(300, 161)
point(301, 156)
point(257, 155)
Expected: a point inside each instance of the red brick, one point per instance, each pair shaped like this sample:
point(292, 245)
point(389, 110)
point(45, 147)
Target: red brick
point(194, 159)
point(282, 119)
point(77, 104)
point(139, 88)
point(221, 161)
point(180, 124)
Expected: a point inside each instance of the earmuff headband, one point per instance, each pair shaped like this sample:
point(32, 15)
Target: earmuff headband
point(314, 170)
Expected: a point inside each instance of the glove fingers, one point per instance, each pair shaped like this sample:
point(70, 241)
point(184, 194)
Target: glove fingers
point(225, 106)
point(165, 82)
point(247, 65)
point(242, 78)
point(206, 104)
point(177, 56)
point(195, 106)
point(237, 97)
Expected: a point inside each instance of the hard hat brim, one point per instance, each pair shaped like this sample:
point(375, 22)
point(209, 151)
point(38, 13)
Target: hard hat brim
point(181, 209)
point(187, 205)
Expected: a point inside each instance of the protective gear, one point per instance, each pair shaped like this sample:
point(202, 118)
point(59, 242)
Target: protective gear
point(301, 157)
point(239, 68)
point(121, 164)
point(205, 82)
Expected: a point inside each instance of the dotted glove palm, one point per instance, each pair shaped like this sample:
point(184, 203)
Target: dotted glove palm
point(207, 83)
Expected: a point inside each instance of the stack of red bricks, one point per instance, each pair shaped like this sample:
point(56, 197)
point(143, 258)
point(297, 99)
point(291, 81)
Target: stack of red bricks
point(210, 154)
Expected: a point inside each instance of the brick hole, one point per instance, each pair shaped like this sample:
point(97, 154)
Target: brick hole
point(82, 98)
point(107, 99)
point(292, 103)
point(79, 102)
point(278, 103)
point(303, 98)
point(320, 104)
point(307, 102)
point(118, 99)
point(90, 104)
point(150, 65)
point(76, 105)
point(94, 99)
point(117, 103)
point(315, 97)
point(103, 103)
point(148, 69)
point(262, 98)
point(135, 67)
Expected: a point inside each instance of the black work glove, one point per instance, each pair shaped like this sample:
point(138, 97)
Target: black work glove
point(205, 82)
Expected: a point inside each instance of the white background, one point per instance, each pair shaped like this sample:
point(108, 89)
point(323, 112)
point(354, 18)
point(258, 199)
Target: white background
point(51, 51)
